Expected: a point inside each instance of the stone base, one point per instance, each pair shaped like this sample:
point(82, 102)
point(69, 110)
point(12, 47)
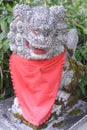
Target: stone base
point(73, 119)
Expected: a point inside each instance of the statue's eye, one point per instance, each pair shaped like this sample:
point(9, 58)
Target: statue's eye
point(27, 44)
point(46, 34)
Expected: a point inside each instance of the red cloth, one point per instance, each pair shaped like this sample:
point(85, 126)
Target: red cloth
point(36, 84)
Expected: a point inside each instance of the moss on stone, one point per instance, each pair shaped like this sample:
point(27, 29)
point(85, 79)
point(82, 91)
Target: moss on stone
point(77, 72)
point(73, 99)
point(76, 112)
point(43, 126)
point(58, 124)
point(17, 115)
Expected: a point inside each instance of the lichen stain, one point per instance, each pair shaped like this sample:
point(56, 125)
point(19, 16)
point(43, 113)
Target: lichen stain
point(58, 124)
point(76, 112)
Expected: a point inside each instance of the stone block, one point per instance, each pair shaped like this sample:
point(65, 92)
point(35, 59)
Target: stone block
point(73, 119)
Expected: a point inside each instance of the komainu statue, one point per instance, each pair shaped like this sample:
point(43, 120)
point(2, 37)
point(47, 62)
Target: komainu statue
point(43, 67)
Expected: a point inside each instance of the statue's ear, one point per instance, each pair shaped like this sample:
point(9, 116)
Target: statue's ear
point(20, 10)
point(72, 39)
point(58, 11)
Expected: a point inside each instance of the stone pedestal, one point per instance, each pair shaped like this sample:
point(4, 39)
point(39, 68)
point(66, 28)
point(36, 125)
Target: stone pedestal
point(74, 119)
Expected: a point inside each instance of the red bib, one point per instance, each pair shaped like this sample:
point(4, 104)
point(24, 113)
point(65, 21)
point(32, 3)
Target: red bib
point(36, 84)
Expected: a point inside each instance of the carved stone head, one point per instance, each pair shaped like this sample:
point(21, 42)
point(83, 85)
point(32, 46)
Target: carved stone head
point(38, 32)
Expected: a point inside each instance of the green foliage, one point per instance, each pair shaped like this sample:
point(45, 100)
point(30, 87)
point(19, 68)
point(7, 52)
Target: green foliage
point(81, 53)
point(77, 18)
point(76, 12)
point(6, 7)
point(83, 85)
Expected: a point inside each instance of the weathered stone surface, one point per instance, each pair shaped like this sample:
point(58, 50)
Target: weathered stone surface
point(73, 119)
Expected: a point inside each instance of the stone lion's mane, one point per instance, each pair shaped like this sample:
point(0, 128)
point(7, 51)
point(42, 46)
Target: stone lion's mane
point(50, 25)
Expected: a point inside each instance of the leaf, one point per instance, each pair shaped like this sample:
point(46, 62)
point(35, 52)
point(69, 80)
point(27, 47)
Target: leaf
point(5, 45)
point(9, 18)
point(2, 36)
point(84, 52)
point(78, 55)
point(1, 2)
point(4, 26)
point(9, 7)
point(82, 87)
point(1, 45)
point(84, 80)
point(85, 30)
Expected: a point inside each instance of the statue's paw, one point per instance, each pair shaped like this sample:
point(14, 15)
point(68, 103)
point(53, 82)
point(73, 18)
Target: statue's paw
point(62, 97)
point(66, 79)
point(57, 109)
point(15, 107)
point(60, 103)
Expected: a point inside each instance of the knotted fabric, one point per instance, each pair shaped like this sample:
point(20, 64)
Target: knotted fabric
point(36, 84)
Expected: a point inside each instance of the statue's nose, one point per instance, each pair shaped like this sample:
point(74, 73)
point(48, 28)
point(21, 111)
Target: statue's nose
point(41, 38)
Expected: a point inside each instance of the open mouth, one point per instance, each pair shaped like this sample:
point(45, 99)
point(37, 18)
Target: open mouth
point(36, 50)
point(39, 51)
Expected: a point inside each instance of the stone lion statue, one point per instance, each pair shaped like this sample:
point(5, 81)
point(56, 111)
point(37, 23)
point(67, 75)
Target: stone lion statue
point(41, 33)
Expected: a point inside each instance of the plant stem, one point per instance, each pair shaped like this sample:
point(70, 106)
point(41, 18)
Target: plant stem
point(45, 3)
point(1, 73)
